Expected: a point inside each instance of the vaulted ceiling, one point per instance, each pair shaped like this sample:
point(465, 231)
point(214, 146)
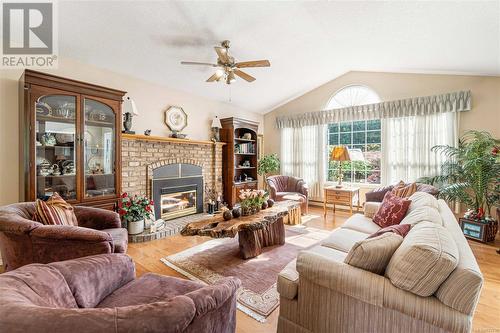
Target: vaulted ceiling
point(307, 43)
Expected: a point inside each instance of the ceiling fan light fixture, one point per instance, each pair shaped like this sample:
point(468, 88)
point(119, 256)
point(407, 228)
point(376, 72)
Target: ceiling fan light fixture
point(230, 77)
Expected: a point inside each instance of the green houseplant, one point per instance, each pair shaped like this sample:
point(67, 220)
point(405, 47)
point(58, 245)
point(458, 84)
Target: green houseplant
point(268, 164)
point(470, 173)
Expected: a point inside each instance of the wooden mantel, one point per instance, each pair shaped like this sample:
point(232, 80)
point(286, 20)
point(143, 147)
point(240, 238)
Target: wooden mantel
point(166, 139)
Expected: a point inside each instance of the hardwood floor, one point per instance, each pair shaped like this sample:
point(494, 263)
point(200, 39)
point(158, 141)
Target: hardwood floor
point(147, 255)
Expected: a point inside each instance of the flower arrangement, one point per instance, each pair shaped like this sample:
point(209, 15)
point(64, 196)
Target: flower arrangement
point(134, 208)
point(252, 200)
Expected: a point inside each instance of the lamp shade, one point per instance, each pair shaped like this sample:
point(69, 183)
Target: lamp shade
point(356, 155)
point(339, 153)
point(130, 107)
point(216, 123)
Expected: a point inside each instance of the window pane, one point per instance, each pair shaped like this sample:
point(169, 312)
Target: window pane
point(359, 176)
point(359, 125)
point(373, 147)
point(333, 139)
point(347, 176)
point(333, 128)
point(358, 138)
point(362, 147)
point(346, 127)
point(373, 124)
point(373, 177)
point(373, 137)
point(345, 138)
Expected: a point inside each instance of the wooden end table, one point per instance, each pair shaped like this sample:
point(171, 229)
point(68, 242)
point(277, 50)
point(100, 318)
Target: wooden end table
point(266, 228)
point(341, 196)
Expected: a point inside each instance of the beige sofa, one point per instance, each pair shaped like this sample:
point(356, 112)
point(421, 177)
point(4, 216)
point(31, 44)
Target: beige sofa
point(321, 293)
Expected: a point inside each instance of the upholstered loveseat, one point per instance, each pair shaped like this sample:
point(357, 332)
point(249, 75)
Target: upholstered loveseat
point(319, 292)
point(289, 188)
point(100, 294)
point(24, 241)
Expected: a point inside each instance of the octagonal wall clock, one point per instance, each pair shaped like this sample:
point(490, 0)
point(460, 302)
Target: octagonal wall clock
point(175, 118)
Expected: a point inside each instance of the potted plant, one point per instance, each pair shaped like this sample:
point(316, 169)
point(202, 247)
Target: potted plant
point(268, 164)
point(134, 210)
point(471, 174)
point(251, 201)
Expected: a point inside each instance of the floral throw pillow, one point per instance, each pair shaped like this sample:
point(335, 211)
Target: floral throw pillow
point(392, 211)
point(54, 211)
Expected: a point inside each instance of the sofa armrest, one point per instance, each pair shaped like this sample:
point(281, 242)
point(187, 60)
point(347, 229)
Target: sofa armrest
point(97, 218)
point(93, 278)
point(377, 195)
point(340, 277)
point(211, 297)
point(58, 242)
point(371, 208)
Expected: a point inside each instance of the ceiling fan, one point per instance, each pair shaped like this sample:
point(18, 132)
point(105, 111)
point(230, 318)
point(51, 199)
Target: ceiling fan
point(226, 66)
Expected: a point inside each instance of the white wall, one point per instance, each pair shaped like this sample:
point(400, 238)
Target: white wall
point(151, 100)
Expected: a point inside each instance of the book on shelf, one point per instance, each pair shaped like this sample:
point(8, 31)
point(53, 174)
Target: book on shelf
point(245, 148)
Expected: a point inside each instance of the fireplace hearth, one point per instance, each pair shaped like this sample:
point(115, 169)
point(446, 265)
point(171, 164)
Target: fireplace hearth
point(177, 190)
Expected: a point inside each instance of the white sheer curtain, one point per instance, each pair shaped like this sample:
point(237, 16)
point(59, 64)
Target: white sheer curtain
point(407, 143)
point(303, 155)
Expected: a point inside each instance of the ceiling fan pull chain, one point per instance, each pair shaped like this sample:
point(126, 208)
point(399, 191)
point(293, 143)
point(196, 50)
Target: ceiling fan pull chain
point(230, 98)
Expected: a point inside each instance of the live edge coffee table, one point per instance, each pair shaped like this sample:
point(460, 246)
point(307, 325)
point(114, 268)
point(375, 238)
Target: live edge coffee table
point(266, 228)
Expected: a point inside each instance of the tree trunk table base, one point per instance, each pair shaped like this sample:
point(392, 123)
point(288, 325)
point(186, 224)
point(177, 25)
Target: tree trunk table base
point(266, 228)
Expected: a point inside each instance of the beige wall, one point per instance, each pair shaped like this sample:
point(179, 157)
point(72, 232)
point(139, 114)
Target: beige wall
point(485, 114)
point(151, 100)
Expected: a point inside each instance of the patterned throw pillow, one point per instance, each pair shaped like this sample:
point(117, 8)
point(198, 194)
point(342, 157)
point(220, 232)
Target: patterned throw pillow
point(399, 229)
point(404, 191)
point(55, 211)
point(392, 211)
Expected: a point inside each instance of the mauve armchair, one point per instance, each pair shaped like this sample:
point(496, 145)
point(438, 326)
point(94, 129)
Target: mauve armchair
point(100, 294)
point(23, 241)
point(289, 188)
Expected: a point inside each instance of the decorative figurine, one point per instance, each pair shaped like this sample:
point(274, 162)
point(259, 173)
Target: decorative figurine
point(147, 132)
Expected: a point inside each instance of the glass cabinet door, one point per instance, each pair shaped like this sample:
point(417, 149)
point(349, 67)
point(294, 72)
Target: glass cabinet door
point(99, 149)
point(55, 137)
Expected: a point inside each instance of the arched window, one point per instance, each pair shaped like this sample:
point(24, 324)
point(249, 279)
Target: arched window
point(364, 135)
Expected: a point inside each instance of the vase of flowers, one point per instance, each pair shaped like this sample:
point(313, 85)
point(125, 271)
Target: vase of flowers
point(251, 201)
point(134, 210)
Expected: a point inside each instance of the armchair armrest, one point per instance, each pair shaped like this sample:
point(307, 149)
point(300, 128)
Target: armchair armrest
point(210, 298)
point(272, 189)
point(96, 218)
point(59, 242)
point(302, 187)
point(93, 278)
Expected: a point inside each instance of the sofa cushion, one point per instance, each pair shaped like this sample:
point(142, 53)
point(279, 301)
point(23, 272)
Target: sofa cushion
point(419, 199)
point(424, 260)
point(462, 288)
point(361, 223)
point(398, 229)
point(55, 211)
point(120, 239)
point(392, 211)
point(422, 213)
point(343, 239)
point(373, 254)
point(149, 288)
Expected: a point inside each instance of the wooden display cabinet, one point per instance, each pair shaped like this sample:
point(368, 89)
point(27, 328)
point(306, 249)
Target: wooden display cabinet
point(69, 140)
point(239, 157)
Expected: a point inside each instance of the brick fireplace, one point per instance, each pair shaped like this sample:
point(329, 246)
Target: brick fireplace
point(143, 156)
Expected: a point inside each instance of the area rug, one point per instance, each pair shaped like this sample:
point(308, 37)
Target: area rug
point(218, 258)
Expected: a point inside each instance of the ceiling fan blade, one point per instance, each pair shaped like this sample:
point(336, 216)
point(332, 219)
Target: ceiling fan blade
point(222, 53)
point(244, 75)
point(255, 63)
point(215, 77)
point(197, 63)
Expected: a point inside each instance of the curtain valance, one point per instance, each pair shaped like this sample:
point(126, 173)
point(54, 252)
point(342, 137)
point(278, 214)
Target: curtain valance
point(449, 102)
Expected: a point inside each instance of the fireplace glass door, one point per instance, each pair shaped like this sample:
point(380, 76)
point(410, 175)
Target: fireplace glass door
point(178, 204)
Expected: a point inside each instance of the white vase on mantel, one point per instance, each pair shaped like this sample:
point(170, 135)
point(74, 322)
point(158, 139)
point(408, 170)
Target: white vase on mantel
point(136, 227)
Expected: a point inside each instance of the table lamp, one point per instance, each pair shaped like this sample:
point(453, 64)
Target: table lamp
point(216, 125)
point(341, 154)
point(129, 110)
